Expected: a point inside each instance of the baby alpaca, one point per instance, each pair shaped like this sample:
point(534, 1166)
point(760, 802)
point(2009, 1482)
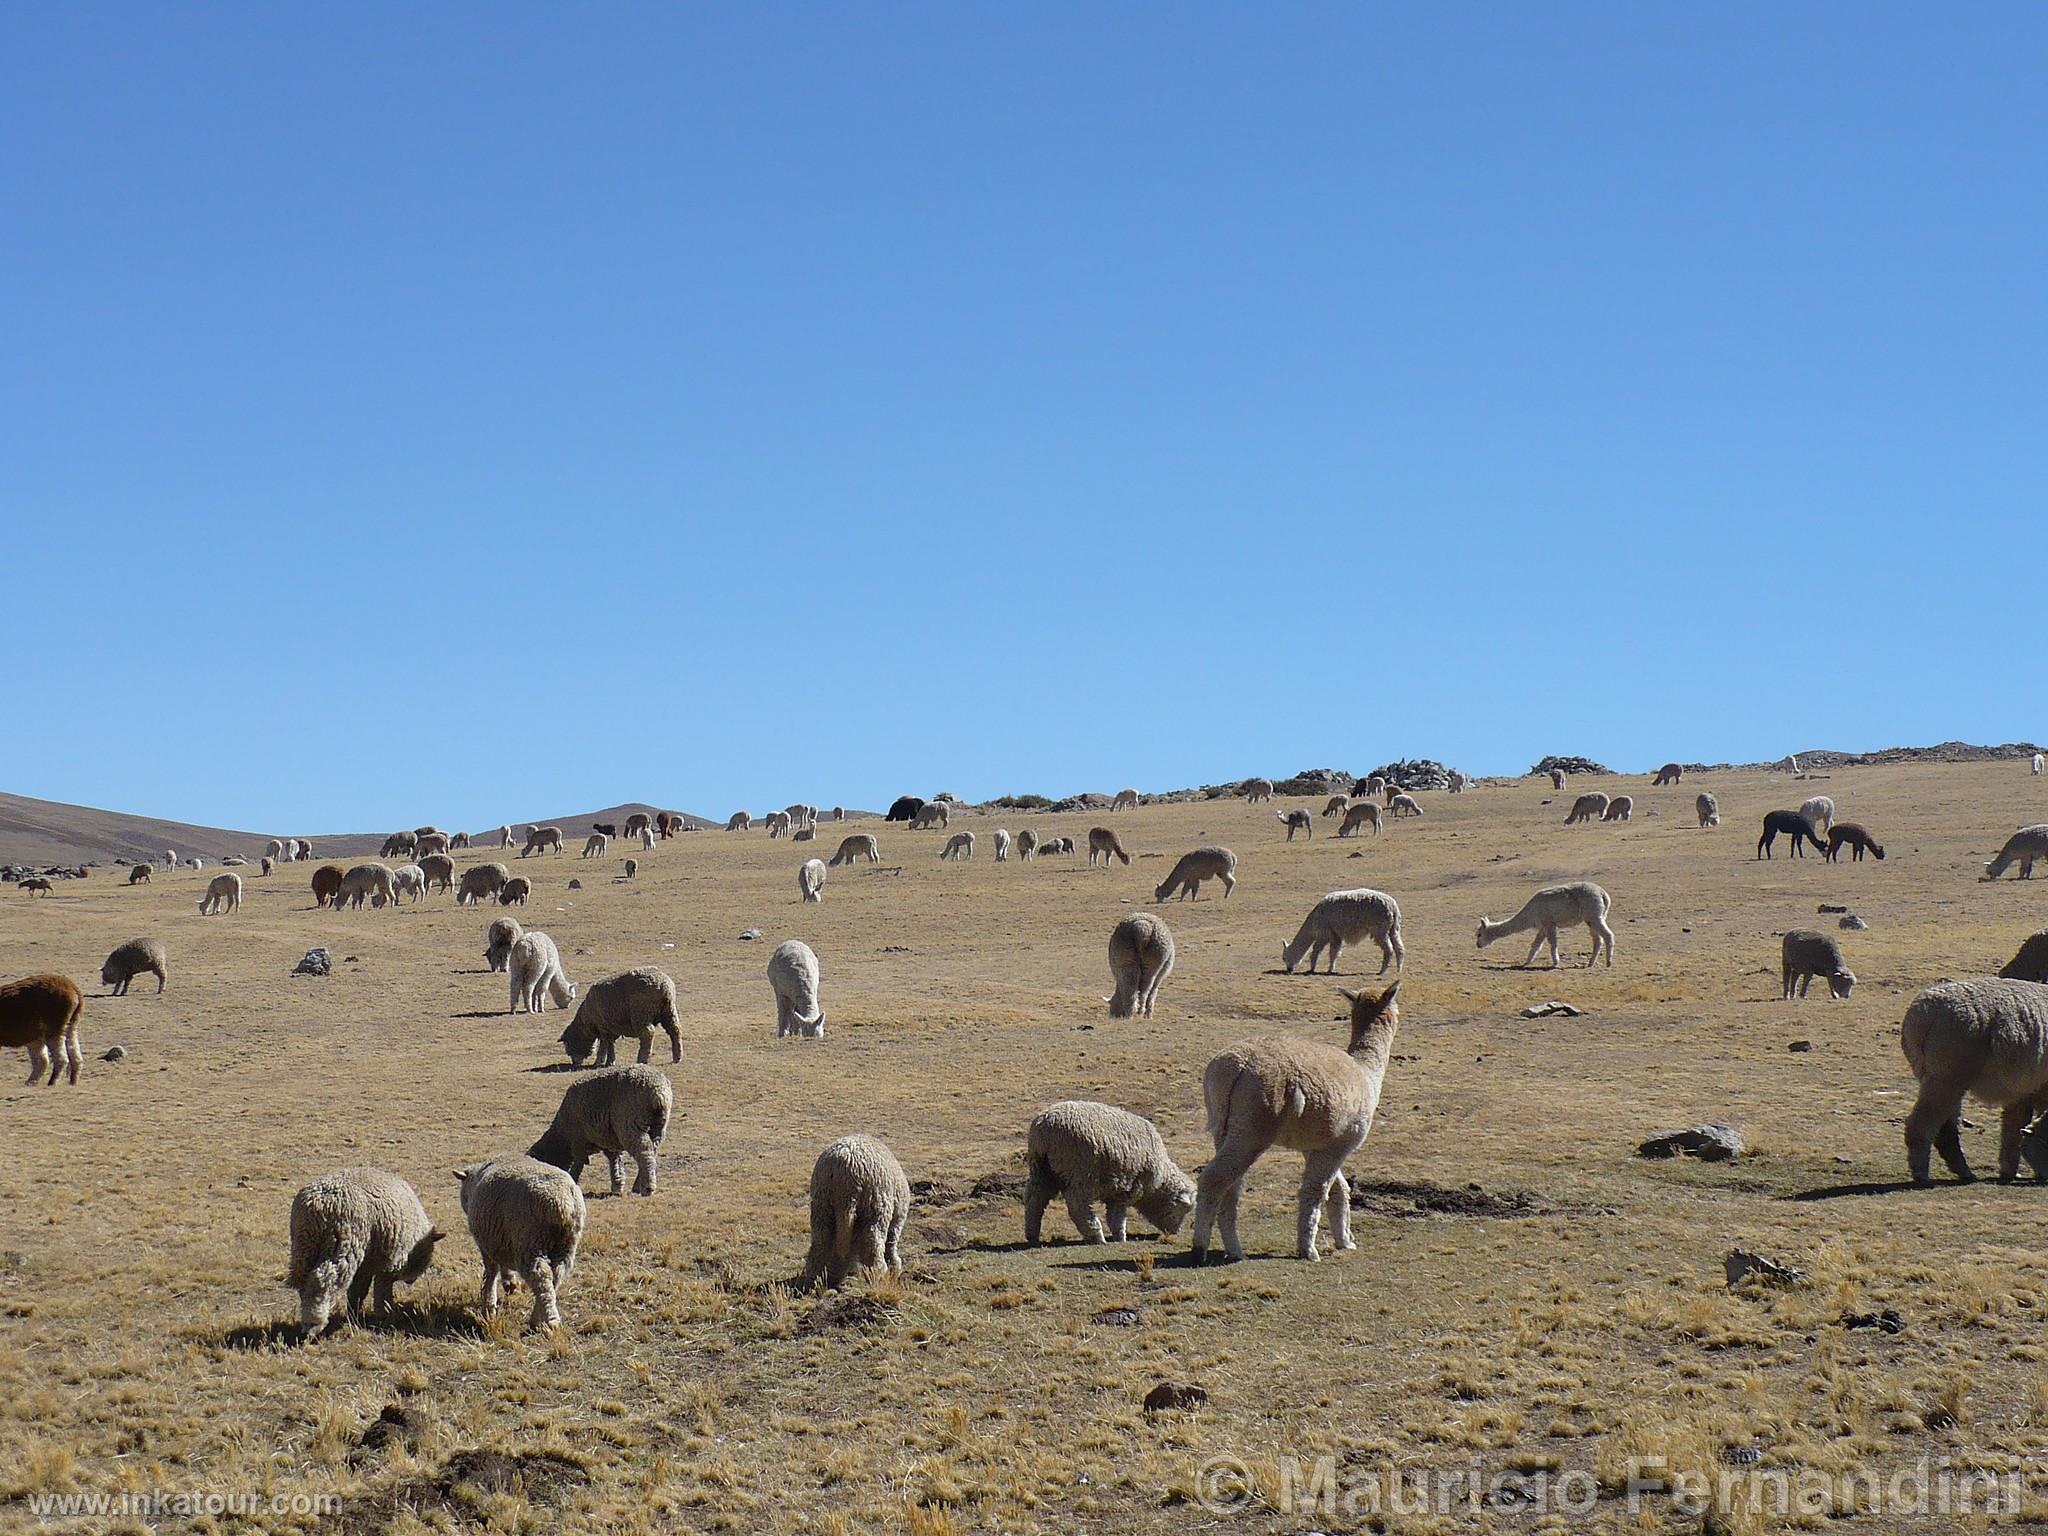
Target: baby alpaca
point(1099, 1154)
point(1853, 835)
point(959, 846)
point(1805, 955)
point(527, 1218)
point(863, 846)
point(1620, 808)
point(355, 1233)
point(860, 1201)
point(1347, 917)
point(1297, 821)
point(1140, 959)
point(1302, 1094)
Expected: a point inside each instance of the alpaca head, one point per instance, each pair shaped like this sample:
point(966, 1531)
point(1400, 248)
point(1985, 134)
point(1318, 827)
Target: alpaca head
point(1841, 983)
point(1373, 1012)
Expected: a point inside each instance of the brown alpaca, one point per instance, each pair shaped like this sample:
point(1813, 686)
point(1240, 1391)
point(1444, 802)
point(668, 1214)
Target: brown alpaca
point(1302, 1094)
point(1848, 832)
point(1103, 842)
point(36, 885)
point(42, 1013)
point(1670, 773)
point(139, 875)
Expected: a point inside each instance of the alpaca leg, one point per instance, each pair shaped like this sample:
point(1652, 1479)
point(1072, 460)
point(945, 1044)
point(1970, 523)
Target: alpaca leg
point(380, 1295)
point(871, 1246)
point(615, 1163)
point(1336, 949)
point(546, 1315)
point(1216, 1188)
point(1391, 951)
point(489, 1300)
point(1931, 1123)
point(359, 1289)
point(647, 1156)
point(785, 1018)
point(1530, 959)
point(1118, 1215)
point(1603, 935)
point(2011, 1129)
point(1550, 936)
point(1038, 1193)
point(1081, 1208)
point(1318, 1173)
point(892, 1249)
point(1337, 1211)
point(1226, 1218)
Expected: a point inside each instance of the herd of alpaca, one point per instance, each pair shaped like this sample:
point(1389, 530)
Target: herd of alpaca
point(358, 1232)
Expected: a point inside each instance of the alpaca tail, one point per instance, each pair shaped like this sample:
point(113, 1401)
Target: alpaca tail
point(1219, 1088)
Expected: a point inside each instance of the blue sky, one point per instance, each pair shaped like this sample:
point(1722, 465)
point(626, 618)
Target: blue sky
point(726, 406)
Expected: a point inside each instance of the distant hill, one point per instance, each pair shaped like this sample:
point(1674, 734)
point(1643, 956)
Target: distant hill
point(44, 832)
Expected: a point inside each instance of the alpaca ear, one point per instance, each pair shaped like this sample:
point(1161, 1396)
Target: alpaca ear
point(436, 1235)
point(1387, 996)
point(1349, 995)
point(462, 1175)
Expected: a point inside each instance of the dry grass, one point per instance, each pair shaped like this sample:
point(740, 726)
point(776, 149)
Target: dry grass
point(140, 1263)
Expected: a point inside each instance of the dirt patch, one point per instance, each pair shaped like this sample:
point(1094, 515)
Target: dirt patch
point(465, 1480)
point(1417, 1198)
point(842, 1312)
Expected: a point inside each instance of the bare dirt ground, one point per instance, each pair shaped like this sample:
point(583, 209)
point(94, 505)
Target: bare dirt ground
point(1528, 1296)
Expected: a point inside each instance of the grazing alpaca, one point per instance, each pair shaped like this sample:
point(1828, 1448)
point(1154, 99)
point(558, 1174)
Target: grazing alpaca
point(1103, 843)
point(1795, 826)
point(1362, 814)
point(1347, 917)
point(1805, 955)
point(1140, 959)
point(1591, 807)
point(1820, 810)
point(1337, 805)
point(1552, 908)
point(1620, 808)
point(1304, 1095)
point(1670, 773)
point(1126, 800)
point(1193, 868)
point(1255, 790)
point(2023, 847)
point(1403, 805)
point(1709, 809)
point(1848, 832)
point(1297, 821)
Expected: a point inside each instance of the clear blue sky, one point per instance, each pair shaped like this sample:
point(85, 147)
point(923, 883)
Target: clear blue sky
point(462, 412)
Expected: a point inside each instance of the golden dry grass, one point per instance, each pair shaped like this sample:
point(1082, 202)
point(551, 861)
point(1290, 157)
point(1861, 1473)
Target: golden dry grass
point(144, 1241)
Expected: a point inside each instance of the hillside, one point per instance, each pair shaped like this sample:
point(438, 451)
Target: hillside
point(47, 832)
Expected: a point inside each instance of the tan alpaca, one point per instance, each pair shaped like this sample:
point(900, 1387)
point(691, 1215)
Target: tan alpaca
point(1552, 908)
point(1591, 807)
point(1126, 800)
point(1307, 1096)
point(1363, 814)
point(1103, 844)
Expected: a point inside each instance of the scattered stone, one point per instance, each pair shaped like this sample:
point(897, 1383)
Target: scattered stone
point(575, 885)
point(860, 1312)
point(1800, 1047)
point(114, 1053)
point(1414, 773)
point(1887, 1321)
point(1116, 1317)
point(1553, 1010)
point(750, 934)
point(1854, 923)
point(315, 962)
point(1175, 1397)
point(1742, 1264)
point(1713, 1142)
point(1828, 906)
point(1939, 1418)
point(1742, 1455)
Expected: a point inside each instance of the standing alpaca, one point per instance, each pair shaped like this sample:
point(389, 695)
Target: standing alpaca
point(1989, 1038)
point(2037, 765)
point(1552, 908)
point(1126, 800)
point(1805, 955)
point(1795, 826)
point(1304, 1095)
point(810, 879)
point(1347, 917)
point(42, 1014)
point(1297, 821)
point(1670, 773)
point(861, 845)
point(1592, 807)
point(1401, 804)
point(1193, 868)
point(1255, 790)
point(1709, 809)
point(860, 1201)
point(1362, 814)
point(1620, 808)
point(1140, 959)
point(1820, 810)
point(1337, 805)
point(1103, 844)
point(959, 846)
point(1557, 779)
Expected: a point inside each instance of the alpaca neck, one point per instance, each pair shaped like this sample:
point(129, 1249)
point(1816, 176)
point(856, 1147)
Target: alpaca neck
point(1371, 1046)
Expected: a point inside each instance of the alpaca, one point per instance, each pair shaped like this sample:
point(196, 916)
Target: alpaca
point(959, 846)
point(1140, 959)
point(2023, 847)
point(1709, 809)
point(2038, 764)
point(1670, 773)
point(1850, 833)
point(861, 845)
point(1103, 844)
point(1347, 917)
point(1552, 908)
point(1592, 807)
point(1126, 800)
point(1193, 868)
point(1557, 779)
point(1820, 810)
point(1987, 1037)
point(1301, 1094)
point(1797, 827)
point(1362, 814)
point(1620, 808)
point(1255, 790)
point(1337, 805)
point(1297, 821)
point(1401, 804)
point(1805, 955)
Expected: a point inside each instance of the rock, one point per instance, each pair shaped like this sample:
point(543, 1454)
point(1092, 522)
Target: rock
point(1414, 773)
point(1887, 1321)
point(1553, 1011)
point(1570, 765)
point(1315, 781)
point(114, 1053)
point(1828, 906)
point(1117, 1317)
point(1853, 923)
point(1175, 1397)
point(1085, 802)
point(315, 962)
point(575, 885)
point(1741, 1264)
point(750, 935)
point(1800, 1046)
point(1715, 1141)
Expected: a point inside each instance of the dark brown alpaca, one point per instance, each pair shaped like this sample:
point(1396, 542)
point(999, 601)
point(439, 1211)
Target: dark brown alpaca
point(1848, 832)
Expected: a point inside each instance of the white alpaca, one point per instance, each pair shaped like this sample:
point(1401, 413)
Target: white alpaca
point(1820, 810)
point(1552, 908)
